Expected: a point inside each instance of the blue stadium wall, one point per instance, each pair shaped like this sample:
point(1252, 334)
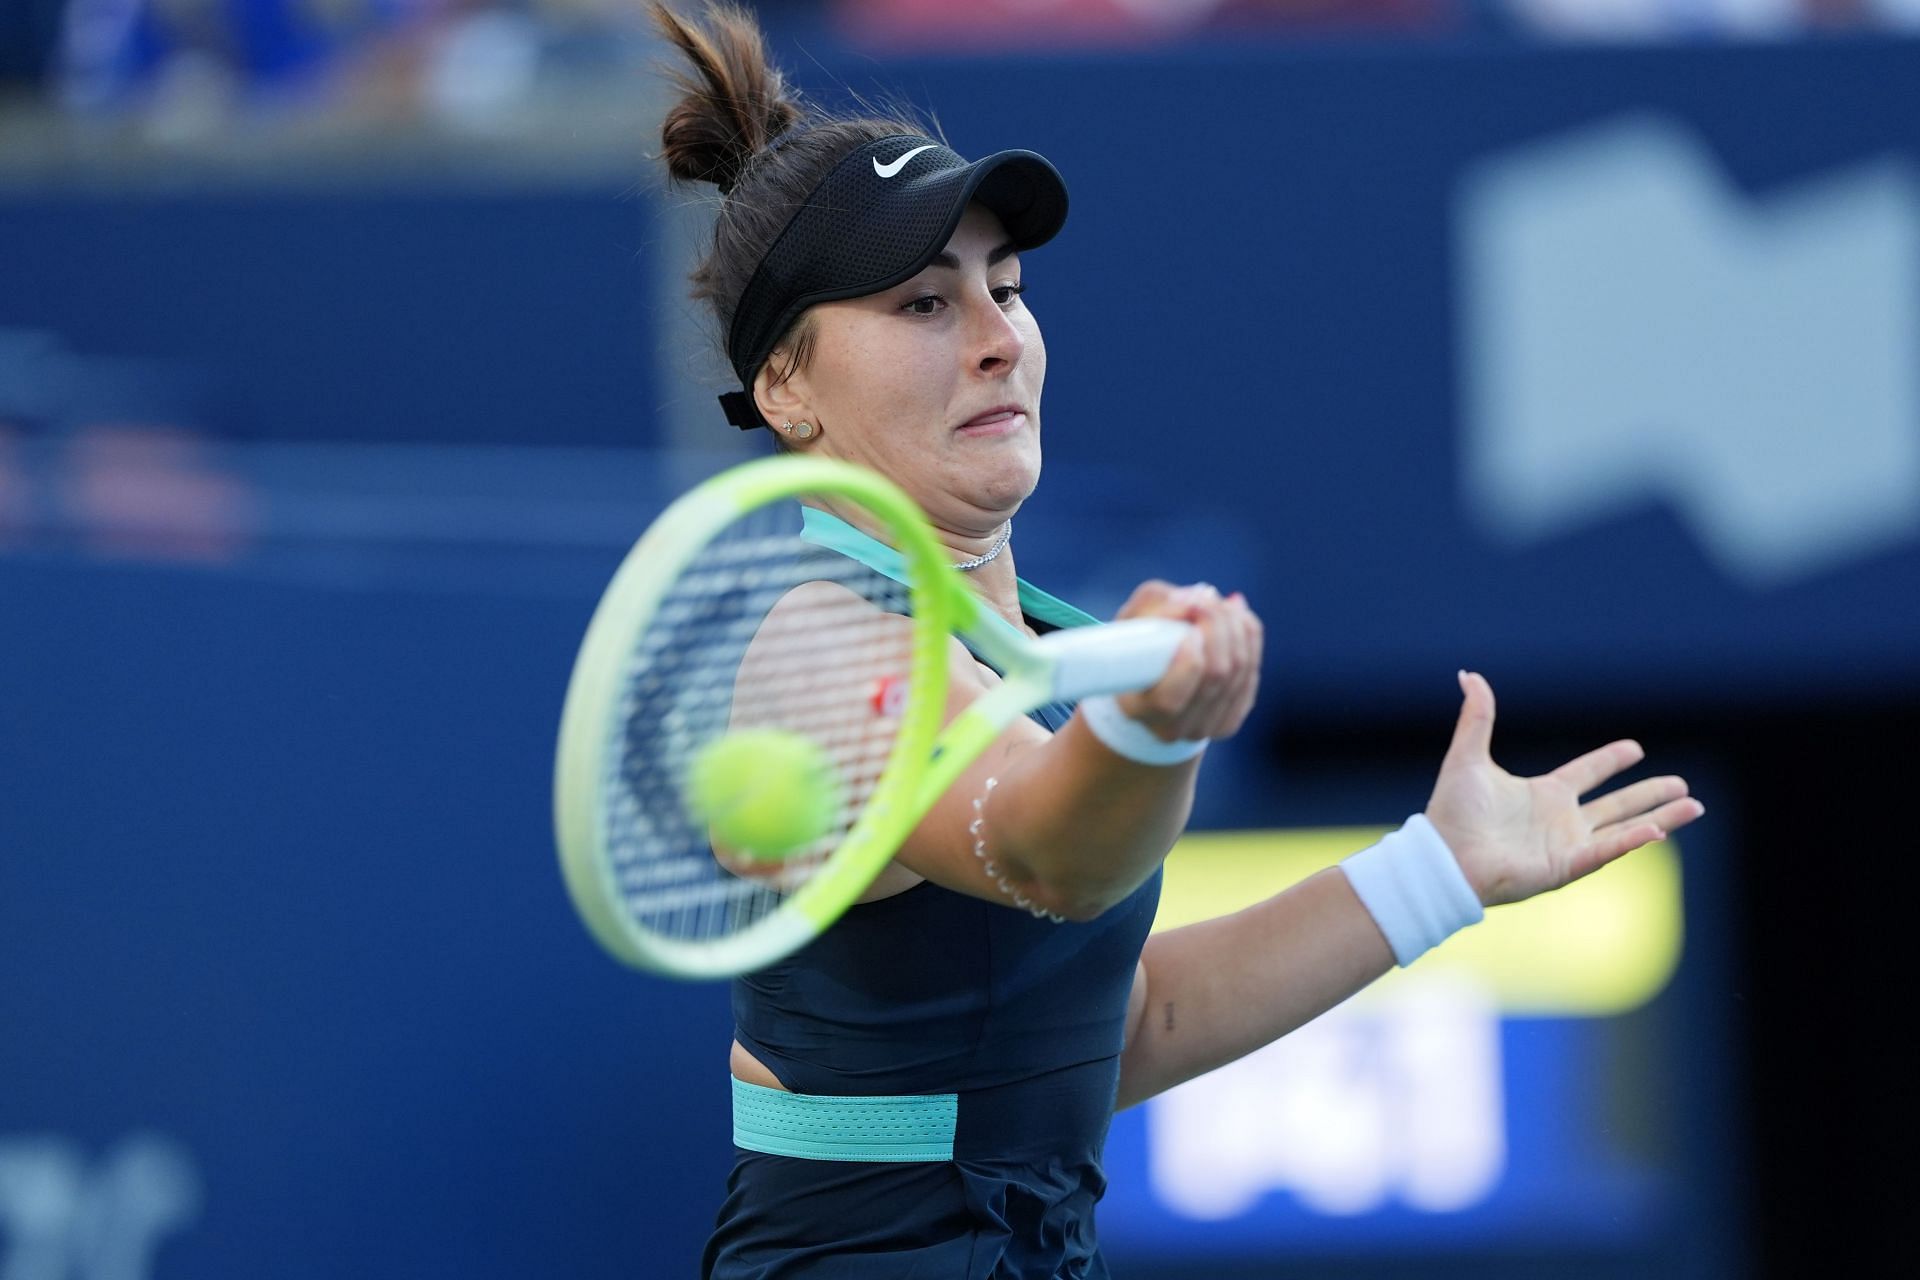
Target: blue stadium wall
point(280, 931)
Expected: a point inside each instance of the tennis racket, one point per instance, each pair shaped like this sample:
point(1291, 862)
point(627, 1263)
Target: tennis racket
point(723, 619)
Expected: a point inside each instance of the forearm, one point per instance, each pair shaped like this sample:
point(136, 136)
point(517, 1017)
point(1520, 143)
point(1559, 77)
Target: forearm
point(1073, 822)
point(1218, 990)
point(1078, 828)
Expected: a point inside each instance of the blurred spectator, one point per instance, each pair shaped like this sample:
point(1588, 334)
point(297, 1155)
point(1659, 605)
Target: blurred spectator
point(118, 53)
point(1647, 19)
point(1007, 23)
point(194, 63)
point(937, 24)
point(441, 57)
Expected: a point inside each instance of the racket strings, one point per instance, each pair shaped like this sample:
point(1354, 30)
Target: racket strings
point(732, 646)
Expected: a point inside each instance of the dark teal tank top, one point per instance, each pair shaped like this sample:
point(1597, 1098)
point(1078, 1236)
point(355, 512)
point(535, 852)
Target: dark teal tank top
point(932, 991)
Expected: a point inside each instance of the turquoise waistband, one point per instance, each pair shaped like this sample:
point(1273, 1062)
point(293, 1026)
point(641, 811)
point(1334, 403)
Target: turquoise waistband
point(812, 1126)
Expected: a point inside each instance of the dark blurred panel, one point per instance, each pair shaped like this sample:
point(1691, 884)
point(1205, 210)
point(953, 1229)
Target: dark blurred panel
point(431, 315)
point(29, 37)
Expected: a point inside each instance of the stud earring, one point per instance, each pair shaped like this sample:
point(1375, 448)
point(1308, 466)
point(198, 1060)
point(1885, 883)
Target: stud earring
point(800, 430)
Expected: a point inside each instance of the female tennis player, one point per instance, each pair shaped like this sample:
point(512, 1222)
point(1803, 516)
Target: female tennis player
point(924, 1090)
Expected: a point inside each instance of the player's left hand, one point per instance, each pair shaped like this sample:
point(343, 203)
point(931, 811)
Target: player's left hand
point(1516, 837)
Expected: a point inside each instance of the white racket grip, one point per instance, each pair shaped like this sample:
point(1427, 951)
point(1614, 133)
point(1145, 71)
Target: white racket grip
point(1120, 657)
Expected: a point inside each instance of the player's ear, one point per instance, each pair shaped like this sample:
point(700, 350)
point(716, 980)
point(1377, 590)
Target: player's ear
point(780, 389)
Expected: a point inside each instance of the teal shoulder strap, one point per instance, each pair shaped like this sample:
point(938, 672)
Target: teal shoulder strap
point(824, 529)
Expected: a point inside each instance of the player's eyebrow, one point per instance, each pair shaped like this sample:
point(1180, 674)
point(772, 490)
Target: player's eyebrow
point(994, 257)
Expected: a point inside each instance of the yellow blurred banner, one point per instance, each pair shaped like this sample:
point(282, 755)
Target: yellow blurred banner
point(1602, 946)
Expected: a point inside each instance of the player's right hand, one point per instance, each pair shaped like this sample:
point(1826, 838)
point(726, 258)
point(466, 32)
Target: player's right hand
point(1210, 688)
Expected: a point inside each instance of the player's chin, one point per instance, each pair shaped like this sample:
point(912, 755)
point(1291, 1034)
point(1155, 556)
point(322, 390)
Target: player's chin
point(1017, 450)
point(1008, 482)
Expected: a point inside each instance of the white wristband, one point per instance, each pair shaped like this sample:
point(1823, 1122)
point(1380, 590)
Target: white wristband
point(1127, 737)
point(1414, 889)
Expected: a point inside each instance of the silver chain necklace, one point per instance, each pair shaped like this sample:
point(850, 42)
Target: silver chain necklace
point(999, 545)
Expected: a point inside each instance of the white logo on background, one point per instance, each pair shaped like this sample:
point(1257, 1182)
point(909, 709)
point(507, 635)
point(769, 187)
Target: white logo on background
point(1635, 329)
point(63, 1219)
point(888, 170)
point(1398, 1099)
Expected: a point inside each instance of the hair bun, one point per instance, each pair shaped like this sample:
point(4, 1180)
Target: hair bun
point(733, 101)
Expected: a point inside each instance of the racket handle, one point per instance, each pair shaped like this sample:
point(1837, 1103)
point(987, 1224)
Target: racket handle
point(1120, 657)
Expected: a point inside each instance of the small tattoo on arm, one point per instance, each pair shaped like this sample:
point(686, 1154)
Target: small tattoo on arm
point(1169, 1019)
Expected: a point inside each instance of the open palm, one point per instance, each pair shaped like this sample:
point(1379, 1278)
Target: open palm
point(1516, 837)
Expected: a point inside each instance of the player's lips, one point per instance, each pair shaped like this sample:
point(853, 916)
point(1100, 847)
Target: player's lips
point(995, 421)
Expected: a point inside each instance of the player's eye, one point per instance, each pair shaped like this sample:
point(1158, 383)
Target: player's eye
point(1006, 293)
point(925, 305)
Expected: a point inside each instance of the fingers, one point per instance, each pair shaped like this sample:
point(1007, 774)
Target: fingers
point(1187, 698)
point(1673, 815)
point(1154, 599)
point(1250, 638)
point(1610, 844)
point(1630, 802)
point(1623, 837)
point(1595, 767)
point(1159, 706)
point(1473, 732)
point(1218, 660)
point(1209, 688)
point(1231, 653)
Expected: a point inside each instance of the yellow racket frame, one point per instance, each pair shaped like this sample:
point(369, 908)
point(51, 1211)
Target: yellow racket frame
point(589, 732)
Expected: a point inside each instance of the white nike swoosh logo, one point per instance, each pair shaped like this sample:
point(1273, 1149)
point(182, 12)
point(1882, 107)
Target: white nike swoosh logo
point(888, 170)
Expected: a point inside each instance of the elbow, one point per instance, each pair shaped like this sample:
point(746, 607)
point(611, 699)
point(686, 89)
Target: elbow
point(1082, 909)
point(1079, 900)
point(1083, 887)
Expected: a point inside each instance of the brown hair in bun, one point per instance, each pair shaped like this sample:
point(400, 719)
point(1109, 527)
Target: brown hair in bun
point(738, 126)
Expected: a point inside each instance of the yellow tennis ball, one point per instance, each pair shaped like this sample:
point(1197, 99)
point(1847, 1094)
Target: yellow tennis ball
point(764, 792)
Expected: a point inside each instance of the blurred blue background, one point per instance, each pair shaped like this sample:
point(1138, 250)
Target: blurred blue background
point(344, 348)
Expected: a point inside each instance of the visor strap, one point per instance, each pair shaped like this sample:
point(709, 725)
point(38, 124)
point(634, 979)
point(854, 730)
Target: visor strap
point(741, 411)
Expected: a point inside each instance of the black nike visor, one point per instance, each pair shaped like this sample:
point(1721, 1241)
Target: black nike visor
point(878, 218)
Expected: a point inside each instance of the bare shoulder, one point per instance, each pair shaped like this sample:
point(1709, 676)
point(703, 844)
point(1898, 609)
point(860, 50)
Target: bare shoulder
point(818, 622)
point(821, 603)
point(816, 664)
